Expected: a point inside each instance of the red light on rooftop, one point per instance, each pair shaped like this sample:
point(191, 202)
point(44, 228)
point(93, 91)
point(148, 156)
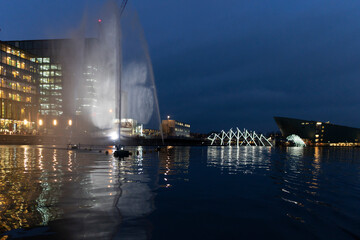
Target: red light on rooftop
point(99, 20)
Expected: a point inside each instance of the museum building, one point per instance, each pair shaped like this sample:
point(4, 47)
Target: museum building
point(319, 133)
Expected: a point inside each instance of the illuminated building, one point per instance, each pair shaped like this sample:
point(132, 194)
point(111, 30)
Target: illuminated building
point(174, 128)
point(19, 74)
point(151, 132)
point(71, 84)
point(320, 133)
point(130, 127)
point(51, 76)
point(62, 70)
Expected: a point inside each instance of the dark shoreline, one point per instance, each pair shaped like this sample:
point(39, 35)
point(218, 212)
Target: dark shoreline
point(60, 140)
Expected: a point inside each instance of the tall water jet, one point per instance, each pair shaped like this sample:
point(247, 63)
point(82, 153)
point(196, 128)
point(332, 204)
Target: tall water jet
point(138, 80)
point(116, 87)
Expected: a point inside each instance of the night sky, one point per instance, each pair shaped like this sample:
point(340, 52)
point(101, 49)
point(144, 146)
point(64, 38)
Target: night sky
point(222, 64)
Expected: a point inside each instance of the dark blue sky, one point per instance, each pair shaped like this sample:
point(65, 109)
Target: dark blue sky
point(222, 64)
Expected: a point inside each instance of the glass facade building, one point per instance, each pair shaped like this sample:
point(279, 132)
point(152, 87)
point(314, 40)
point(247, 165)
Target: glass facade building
point(51, 102)
point(19, 75)
point(67, 80)
point(51, 75)
point(87, 100)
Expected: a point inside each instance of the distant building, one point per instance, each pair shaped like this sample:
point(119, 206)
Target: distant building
point(130, 127)
point(19, 74)
point(63, 68)
point(71, 76)
point(319, 133)
point(151, 132)
point(174, 128)
point(48, 55)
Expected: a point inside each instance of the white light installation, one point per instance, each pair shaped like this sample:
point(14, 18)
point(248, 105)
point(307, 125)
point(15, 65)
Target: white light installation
point(239, 138)
point(296, 140)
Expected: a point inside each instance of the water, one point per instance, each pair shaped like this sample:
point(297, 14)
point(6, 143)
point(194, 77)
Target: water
point(180, 193)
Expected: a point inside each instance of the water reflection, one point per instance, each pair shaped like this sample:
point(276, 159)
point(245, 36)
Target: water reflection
point(305, 181)
point(174, 163)
point(134, 180)
point(234, 160)
point(84, 195)
point(80, 194)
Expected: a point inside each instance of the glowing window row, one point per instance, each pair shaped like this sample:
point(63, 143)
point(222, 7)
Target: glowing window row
point(51, 73)
point(50, 93)
point(43, 60)
point(13, 51)
point(18, 64)
point(17, 86)
point(14, 96)
point(15, 74)
point(45, 106)
point(50, 87)
point(51, 112)
point(46, 67)
point(50, 80)
point(182, 124)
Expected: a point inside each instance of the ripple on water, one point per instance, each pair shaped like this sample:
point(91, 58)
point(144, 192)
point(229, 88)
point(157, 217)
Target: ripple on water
point(215, 192)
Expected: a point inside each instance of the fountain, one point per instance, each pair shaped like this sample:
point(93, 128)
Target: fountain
point(114, 91)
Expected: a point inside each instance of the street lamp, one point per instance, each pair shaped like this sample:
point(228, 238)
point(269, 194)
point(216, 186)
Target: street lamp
point(70, 122)
point(41, 122)
point(168, 117)
point(55, 122)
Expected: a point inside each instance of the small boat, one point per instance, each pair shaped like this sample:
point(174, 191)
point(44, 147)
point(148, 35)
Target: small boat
point(120, 152)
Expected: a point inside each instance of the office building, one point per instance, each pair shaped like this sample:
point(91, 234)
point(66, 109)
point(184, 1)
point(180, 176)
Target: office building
point(19, 75)
point(66, 83)
point(48, 56)
point(175, 128)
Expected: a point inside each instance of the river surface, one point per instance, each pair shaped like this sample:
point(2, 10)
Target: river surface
point(180, 193)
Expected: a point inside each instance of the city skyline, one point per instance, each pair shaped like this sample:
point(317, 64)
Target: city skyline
point(230, 64)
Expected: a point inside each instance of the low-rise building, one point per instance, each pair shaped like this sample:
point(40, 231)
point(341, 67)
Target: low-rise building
point(174, 128)
point(151, 132)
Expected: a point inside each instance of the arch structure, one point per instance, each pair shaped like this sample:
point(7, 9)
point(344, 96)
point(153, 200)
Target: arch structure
point(296, 140)
point(239, 138)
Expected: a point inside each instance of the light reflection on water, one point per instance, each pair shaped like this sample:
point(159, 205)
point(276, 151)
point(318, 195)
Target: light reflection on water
point(234, 160)
point(81, 194)
point(312, 184)
point(210, 192)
